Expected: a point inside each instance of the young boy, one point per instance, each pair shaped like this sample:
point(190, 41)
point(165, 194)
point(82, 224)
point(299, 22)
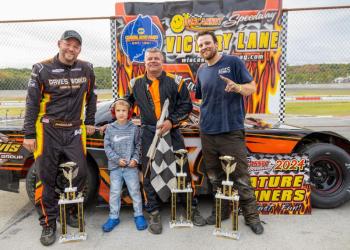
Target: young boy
point(122, 147)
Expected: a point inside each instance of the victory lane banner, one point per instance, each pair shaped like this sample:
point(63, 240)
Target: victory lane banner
point(281, 183)
point(248, 29)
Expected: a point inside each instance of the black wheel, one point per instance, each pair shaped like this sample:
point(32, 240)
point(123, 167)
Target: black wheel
point(31, 180)
point(92, 183)
point(90, 190)
point(329, 174)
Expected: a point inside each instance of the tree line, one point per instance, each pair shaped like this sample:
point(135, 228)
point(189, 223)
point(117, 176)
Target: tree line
point(317, 73)
point(17, 79)
point(13, 79)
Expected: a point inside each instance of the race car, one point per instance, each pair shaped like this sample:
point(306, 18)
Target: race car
point(328, 153)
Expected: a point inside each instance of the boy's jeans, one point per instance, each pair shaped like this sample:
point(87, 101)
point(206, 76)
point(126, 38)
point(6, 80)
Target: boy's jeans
point(131, 177)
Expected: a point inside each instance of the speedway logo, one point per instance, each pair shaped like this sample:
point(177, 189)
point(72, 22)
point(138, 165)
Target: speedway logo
point(139, 35)
point(237, 19)
point(259, 165)
point(187, 21)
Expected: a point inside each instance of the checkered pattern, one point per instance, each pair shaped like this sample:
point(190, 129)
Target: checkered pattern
point(114, 58)
point(283, 68)
point(163, 168)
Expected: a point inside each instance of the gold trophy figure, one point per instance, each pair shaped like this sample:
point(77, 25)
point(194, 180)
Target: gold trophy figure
point(181, 187)
point(69, 197)
point(230, 194)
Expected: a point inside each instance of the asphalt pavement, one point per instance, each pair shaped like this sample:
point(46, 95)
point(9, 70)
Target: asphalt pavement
point(323, 229)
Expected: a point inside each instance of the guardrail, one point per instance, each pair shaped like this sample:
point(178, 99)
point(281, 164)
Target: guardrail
point(318, 98)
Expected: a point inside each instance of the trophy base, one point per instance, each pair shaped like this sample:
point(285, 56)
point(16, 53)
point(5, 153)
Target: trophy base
point(224, 197)
point(72, 237)
point(227, 183)
point(184, 190)
point(174, 224)
point(227, 234)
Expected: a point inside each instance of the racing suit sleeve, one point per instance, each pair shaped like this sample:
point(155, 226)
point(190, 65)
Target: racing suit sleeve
point(110, 153)
point(33, 99)
point(129, 94)
point(183, 105)
point(91, 99)
point(198, 94)
point(137, 142)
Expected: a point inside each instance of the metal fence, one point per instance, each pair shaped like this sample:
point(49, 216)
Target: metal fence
point(318, 45)
point(25, 43)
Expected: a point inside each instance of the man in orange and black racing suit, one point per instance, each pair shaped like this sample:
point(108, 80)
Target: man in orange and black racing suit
point(149, 92)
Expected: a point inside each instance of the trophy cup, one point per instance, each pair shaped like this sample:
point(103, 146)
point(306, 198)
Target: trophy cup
point(69, 197)
point(230, 194)
point(181, 187)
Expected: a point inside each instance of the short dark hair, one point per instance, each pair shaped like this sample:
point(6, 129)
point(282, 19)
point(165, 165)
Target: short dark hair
point(207, 32)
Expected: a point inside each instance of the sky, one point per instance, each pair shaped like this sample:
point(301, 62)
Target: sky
point(20, 48)
point(40, 9)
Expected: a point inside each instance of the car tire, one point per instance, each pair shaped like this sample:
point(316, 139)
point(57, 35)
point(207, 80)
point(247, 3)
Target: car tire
point(31, 180)
point(329, 175)
point(90, 191)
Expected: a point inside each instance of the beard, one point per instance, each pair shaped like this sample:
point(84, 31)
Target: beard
point(210, 55)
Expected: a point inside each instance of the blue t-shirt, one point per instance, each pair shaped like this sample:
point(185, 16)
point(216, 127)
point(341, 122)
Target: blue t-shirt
point(221, 111)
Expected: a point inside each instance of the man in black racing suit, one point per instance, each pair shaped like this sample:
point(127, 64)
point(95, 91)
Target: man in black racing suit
point(60, 111)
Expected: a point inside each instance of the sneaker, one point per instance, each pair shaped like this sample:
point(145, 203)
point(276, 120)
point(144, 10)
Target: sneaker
point(71, 220)
point(257, 228)
point(140, 222)
point(197, 218)
point(155, 224)
point(211, 220)
point(48, 235)
point(110, 225)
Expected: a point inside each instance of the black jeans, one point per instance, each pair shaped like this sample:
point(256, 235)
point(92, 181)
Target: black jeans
point(232, 144)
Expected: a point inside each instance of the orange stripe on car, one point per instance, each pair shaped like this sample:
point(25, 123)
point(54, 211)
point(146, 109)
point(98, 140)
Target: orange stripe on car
point(270, 145)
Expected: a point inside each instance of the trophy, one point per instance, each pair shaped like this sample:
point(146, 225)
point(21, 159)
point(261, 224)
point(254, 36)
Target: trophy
point(181, 187)
point(69, 197)
point(230, 194)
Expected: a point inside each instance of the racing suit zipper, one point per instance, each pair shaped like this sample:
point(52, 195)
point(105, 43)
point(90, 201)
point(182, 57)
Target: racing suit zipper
point(69, 104)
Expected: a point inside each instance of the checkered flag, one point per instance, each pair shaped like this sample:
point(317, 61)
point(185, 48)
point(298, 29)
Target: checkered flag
point(163, 168)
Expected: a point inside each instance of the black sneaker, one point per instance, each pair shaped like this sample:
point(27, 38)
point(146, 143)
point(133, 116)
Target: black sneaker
point(257, 228)
point(155, 223)
point(197, 218)
point(72, 220)
point(211, 220)
point(48, 235)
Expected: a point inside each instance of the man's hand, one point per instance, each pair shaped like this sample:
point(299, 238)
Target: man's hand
point(102, 129)
point(122, 162)
point(133, 163)
point(231, 85)
point(29, 144)
point(164, 127)
point(90, 130)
